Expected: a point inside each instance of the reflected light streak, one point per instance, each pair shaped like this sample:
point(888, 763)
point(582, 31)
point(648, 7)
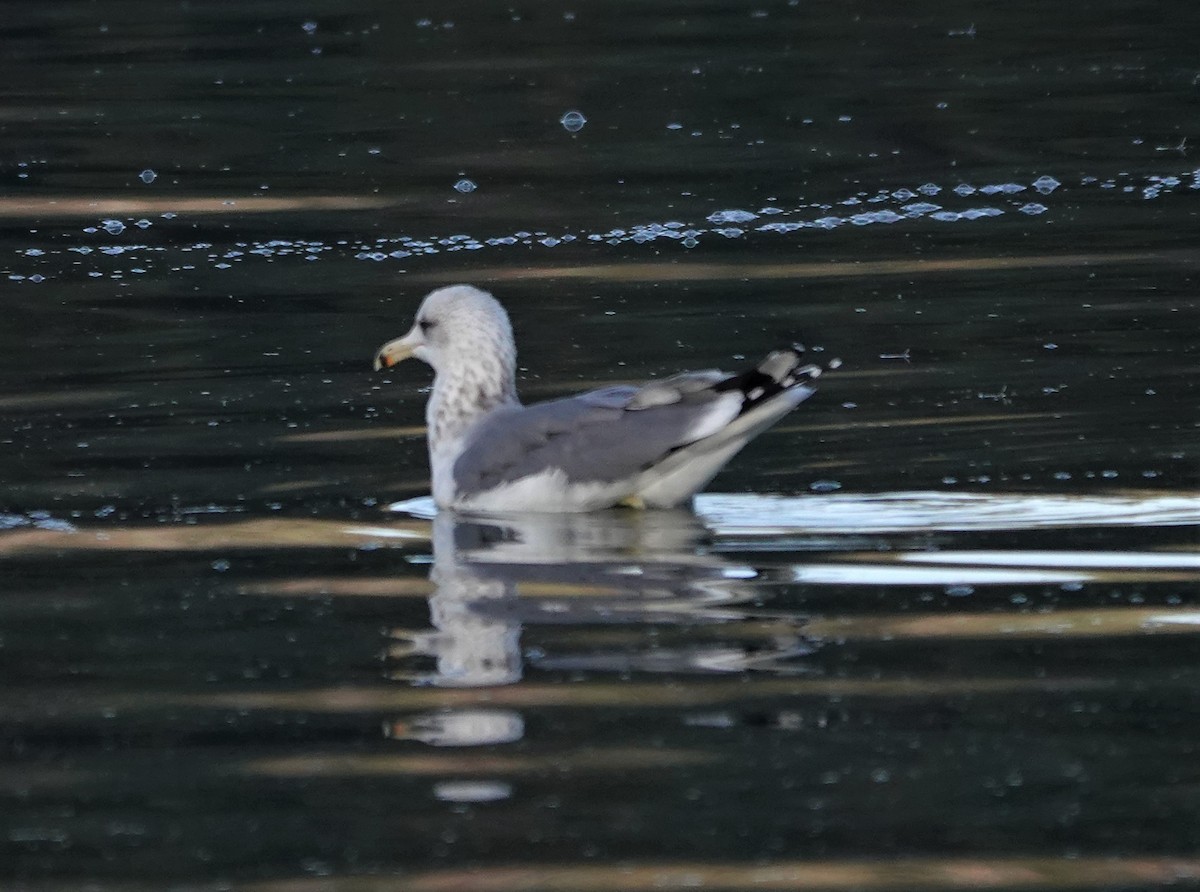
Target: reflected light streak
point(445, 762)
point(681, 271)
point(1065, 624)
point(873, 875)
point(183, 204)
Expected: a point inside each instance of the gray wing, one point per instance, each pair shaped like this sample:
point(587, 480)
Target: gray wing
point(617, 433)
point(601, 436)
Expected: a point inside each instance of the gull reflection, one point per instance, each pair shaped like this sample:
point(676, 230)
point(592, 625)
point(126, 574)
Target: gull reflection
point(493, 576)
point(460, 727)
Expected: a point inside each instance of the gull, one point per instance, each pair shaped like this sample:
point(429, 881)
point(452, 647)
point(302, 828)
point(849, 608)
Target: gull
point(649, 446)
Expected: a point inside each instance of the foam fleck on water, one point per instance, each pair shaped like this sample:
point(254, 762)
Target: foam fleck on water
point(572, 121)
point(1002, 188)
point(1046, 184)
point(464, 186)
point(731, 217)
point(918, 208)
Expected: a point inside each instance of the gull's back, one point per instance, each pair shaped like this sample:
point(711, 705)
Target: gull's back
point(653, 446)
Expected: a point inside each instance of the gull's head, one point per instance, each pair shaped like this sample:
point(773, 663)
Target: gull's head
point(455, 327)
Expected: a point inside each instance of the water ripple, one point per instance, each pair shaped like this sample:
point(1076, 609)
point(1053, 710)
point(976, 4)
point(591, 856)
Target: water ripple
point(894, 205)
point(869, 513)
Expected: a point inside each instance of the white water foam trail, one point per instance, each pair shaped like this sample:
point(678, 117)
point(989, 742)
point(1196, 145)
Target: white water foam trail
point(914, 512)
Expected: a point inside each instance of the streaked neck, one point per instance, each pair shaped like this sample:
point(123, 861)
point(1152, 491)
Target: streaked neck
point(465, 393)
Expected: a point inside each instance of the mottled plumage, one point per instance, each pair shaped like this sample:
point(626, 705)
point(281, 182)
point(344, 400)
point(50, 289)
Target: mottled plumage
point(654, 445)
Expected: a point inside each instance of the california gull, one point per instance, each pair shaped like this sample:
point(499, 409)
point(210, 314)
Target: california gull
point(650, 446)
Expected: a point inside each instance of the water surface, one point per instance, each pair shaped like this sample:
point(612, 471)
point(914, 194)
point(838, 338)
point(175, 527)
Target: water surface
point(936, 629)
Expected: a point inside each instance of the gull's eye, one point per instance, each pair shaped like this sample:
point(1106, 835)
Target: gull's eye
point(425, 325)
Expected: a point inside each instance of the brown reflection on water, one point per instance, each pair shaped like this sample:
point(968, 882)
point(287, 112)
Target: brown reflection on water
point(239, 534)
point(341, 587)
point(448, 763)
point(1107, 621)
point(600, 693)
point(51, 206)
point(907, 873)
point(37, 702)
point(369, 433)
point(676, 271)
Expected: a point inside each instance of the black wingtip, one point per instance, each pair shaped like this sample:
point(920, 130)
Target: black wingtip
point(779, 371)
point(786, 365)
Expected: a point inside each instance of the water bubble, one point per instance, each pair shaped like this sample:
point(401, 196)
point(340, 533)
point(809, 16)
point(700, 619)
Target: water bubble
point(147, 176)
point(825, 486)
point(780, 227)
point(1046, 185)
point(43, 521)
point(464, 186)
point(309, 27)
point(572, 121)
point(875, 217)
point(1033, 208)
point(976, 213)
point(731, 217)
point(113, 227)
point(472, 791)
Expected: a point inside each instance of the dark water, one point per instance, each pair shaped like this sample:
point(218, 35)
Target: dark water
point(938, 629)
